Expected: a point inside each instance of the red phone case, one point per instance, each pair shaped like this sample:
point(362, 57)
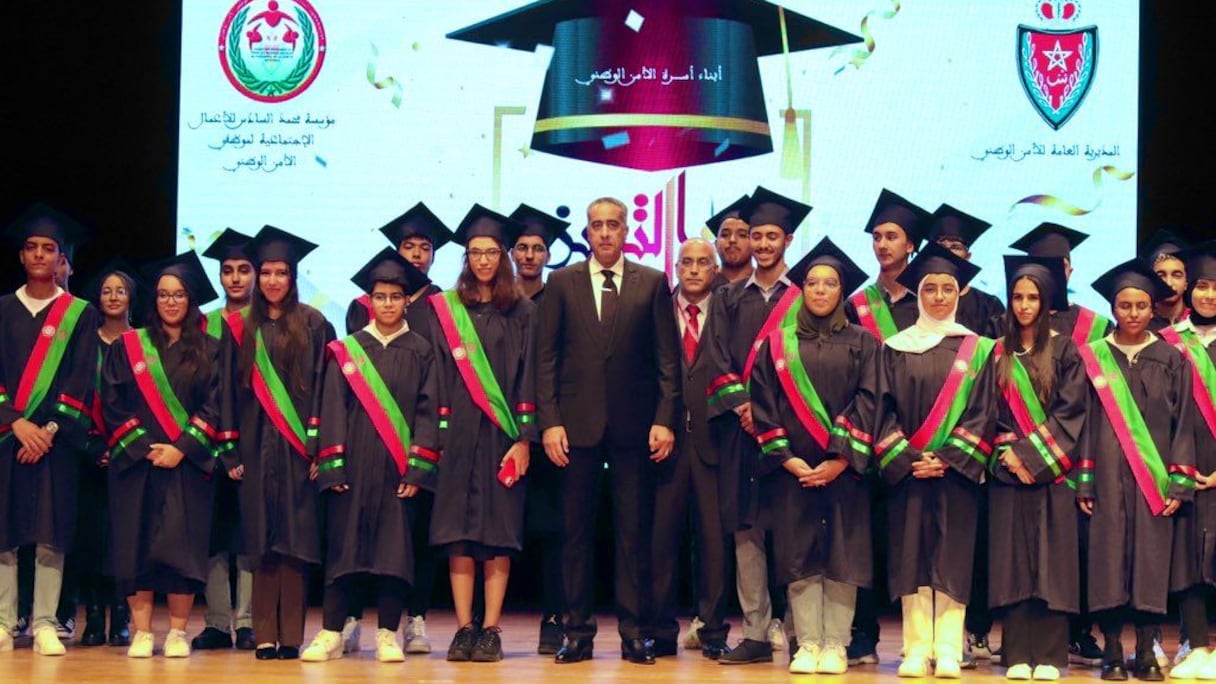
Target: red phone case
point(506, 474)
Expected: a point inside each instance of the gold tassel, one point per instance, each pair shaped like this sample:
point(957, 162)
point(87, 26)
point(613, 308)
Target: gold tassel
point(791, 151)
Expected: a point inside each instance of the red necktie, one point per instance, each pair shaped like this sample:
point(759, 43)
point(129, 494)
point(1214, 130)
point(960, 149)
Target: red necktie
point(692, 332)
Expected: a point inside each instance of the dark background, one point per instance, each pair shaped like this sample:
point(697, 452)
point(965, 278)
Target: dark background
point(90, 117)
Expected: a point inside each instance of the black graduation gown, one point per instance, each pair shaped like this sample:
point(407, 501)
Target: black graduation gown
point(160, 518)
point(226, 522)
point(543, 506)
point(904, 312)
point(931, 523)
point(279, 503)
point(357, 315)
point(91, 548)
point(38, 503)
point(366, 526)
point(978, 311)
point(1194, 554)
point(1033, 528)
point(472, 508)
point(820, 530)
point(1129, 548)
point(737, 312)
point(1063, 322)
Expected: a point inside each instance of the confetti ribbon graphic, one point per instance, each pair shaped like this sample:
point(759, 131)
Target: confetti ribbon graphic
point(386, 82)
point(1063, 206)
point(859, 56)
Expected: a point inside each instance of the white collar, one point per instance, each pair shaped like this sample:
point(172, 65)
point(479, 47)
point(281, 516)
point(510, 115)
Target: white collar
point(683, 303)
point(385, 340)
point(751, 280)
point(618, 268)
point(34, 306)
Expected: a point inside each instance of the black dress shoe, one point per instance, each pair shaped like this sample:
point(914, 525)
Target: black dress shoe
point(1114, 672)
point(94, 627)
point(244, 639)
point(714, 648)
point(575, 651)
point(551, 635)
point(288, 653)
point(638, 651)
point(747, 652)
point(461, 648)
point(120, 631)
point(663, 648)
point(266, 653)
point(211, 639)
point(1150, 671)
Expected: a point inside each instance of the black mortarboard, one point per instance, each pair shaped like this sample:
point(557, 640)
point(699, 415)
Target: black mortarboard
point(1135, 273)
point(92, 289)
point(1050, 273)
point(538, 223)
point(189, 269)
point(767, 208)
point(892, 208)
point(1163, 242)
point(390, 267)
point(826, 253)
point(948, 222)
point(276, 244)
point(421, 222)
point(640, 50)
point(732, 210)
point(1050, 240)
point(483, 222)
point(935, 259)
point(43, 220)
point(230, 246)
point(1200, 261)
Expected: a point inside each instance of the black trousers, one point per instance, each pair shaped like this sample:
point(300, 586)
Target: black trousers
point(680, 480)
point(978, 618)
point(631, 478)
point(387, 594)
point(1193, 609)
point(1034, 635)
point(1111, 623)
point(1080, 624)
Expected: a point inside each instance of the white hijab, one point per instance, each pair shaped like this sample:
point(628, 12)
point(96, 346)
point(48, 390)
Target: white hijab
point(928, 331)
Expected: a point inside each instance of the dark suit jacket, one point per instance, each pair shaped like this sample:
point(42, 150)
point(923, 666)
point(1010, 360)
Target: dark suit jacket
point(694, 395)
point(598, 383)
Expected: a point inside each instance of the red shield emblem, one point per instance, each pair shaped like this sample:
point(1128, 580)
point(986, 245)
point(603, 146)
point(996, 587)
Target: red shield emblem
point(1057, 69)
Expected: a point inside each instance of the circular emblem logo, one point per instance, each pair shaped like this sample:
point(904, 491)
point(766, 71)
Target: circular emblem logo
point(140, 367)
point(348, 368)
point(48, 331)
point(1100, 381)
point(459, 353)
point(272, 51)
point(780, 364)
point(960, 366)
point(863, 310)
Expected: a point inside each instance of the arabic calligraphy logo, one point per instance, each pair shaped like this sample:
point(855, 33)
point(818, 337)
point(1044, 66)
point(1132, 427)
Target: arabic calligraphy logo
point(1056, 64)
point(274, 53)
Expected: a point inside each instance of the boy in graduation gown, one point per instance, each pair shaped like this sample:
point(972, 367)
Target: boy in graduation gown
point(742, 314)
point(1161, 252)
point(1137, 465)
point(379, 416)
point(733, 242)
point(238, 280)
point(957, 231)
point(48, 362)
point(813, 402)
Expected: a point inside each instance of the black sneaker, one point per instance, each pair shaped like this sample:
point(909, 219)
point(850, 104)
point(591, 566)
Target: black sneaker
point(1085, 652)
point(23, 626)
point(488, 648)
point(461, 650)
point(748, 651)
point(244, 639)
point(552, 635)
point(211, 639)
point(862, 649)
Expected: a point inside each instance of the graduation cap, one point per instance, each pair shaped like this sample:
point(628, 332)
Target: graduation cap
point(483, 222)
point(948, 222)
point(538, 223)
point(1200, 261)
point(230, 246)
point(189, 269)
point(1161, 243)
point(767, 208)
point(732, 210)
point(43, 220)
point(275, 244)
point(1050, 273)
point(1135, 273)
point(1050, 240)
point(935, 259)
point(826, 253)
point(892, 208)
point(388, 266)
point(653, 84)
point(92, 289)
point(418, 221)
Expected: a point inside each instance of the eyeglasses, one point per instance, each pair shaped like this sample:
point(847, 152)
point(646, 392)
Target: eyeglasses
point(120, 292)
point(381, 297)
point(487, 254)
point(171, 296)
point(535, 249)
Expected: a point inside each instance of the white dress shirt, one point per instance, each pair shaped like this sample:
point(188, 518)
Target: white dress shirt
point(597, 279)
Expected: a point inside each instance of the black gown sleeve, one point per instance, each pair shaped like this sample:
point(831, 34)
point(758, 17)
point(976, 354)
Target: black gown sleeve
point(424, 455)
point(129, 441)
point(523, 394)
point(1180, 460)
point(726, 390)
point(200, 441)
point(1057, 439)
point(894, 454)
point(766, 392)
point(853, 429)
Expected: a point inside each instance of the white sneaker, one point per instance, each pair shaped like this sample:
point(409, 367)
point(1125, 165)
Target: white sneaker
point(1208, 671)
point(141, 645)
point(915, 667)
point(326, 645)
point(776, 635)
point(1184, 650)
point(833, 660)
point(47, 643)
point(1163, 661)
point(6, 641)
point(947, 668)
point(1191, 665)
point(416, 640)
point(387, 650)
point(692, 638)
point(176, 645)
point(352, 632)
point(1046, 673)
point(1020, 672)
point(806, 660)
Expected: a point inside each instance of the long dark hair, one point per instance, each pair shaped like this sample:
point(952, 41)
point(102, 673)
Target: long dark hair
point(505, 291)
point(132, 296)
point(1042, 370)
point(195, 360)
point(289, 348)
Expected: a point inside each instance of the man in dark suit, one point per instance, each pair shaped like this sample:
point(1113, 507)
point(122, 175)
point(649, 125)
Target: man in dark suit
point(607, 381)
point(690, 476)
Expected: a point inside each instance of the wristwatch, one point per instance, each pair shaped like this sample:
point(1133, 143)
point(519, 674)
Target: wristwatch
point(51, 427)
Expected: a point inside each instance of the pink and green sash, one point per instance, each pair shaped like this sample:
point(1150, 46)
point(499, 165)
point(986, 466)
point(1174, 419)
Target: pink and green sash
point(214, 323)
point(153, 384)
point(1203, 372)
point(1031, 418)
point(784, 313)
point(941, 425)
point(1128, 423)
point(472, 362)
point(873, 313)
point(276, 401)
point(47, 355)
point(1091, 326)
point(376, 398)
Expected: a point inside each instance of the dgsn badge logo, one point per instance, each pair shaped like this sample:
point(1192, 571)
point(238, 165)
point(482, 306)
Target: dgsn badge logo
point(1057, 61)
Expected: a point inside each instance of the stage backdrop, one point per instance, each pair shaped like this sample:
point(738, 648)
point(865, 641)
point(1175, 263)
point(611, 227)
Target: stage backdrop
point(329, 118)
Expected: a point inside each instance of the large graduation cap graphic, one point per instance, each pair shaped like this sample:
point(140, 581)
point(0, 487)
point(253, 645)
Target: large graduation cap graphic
point(654, 84)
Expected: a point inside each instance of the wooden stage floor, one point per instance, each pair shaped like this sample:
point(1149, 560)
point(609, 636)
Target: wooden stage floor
point(522, 664)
